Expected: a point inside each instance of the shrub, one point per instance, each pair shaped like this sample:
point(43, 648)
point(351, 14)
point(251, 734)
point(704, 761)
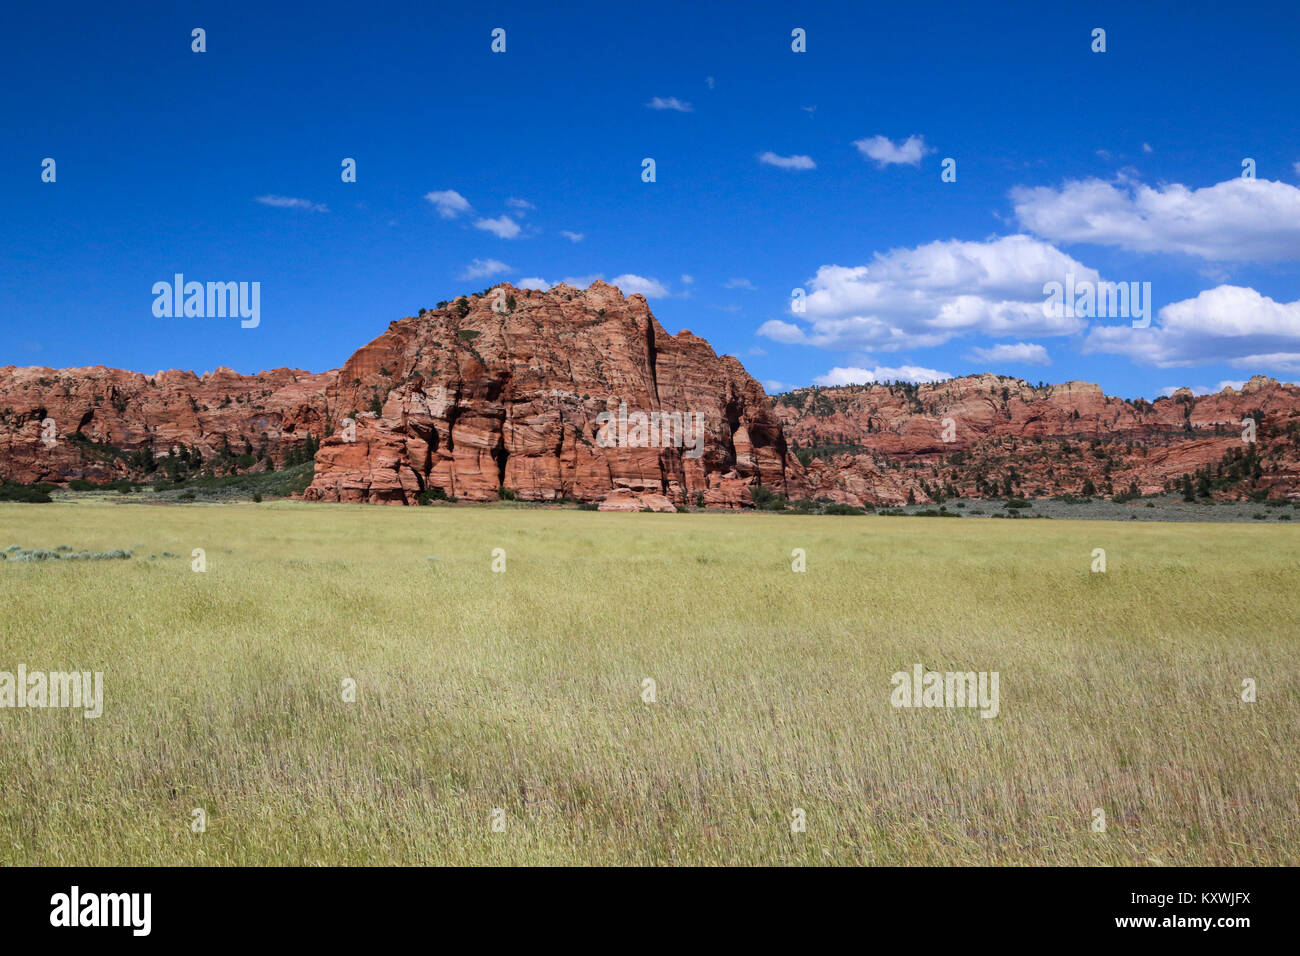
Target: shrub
point(27, 494)
point(1131, 495)
point(31, 555)
point(766, 500)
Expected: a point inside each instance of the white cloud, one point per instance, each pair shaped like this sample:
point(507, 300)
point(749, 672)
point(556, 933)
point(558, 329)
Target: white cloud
point(581, 282)
point(916, 298)
point(868, 376)
point(578, 282)
point(450, 203)
point(480, 268)
point(522, 205)
point(288, 202)
point(687, 280)
point(1285, 362)
point(630, 284)
point(709, 80)
point(738, 284)
point(572, 236)
point(1227, 324)
point(1296, 167)
point(885, 153)
point(1204, 390)
point(773, 387)
point(786, 162)
point(1022, 353)
point(670, 103)
point(1146, 148)
point(503, 227)
point(1237, 220)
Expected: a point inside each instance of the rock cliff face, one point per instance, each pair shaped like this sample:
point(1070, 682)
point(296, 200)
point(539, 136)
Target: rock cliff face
point(581, 395)
point(60, 424)
point(970, 436)
point(567, 394)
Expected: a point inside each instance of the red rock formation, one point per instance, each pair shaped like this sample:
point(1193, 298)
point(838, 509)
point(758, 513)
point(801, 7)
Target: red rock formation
point(98, 413)
point(471, 399)
point(879, 443)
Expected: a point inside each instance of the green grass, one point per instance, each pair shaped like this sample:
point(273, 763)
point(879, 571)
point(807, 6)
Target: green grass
point(291, 480)
point(521, 690)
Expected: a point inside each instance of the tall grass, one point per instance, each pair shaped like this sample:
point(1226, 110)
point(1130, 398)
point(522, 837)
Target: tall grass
point(522, 690)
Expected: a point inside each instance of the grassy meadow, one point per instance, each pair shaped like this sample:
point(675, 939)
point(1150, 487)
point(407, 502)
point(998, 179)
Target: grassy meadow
point(522, 691)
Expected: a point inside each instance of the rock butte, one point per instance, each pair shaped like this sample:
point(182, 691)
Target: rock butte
point(474, 399)
point(487, 400)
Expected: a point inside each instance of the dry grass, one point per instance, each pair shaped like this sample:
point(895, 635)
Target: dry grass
point(522, 690)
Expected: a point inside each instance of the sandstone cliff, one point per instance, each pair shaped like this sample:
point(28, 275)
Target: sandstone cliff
point(93, 419)
point(505, 392)
point(546, 396)
point(987, 435)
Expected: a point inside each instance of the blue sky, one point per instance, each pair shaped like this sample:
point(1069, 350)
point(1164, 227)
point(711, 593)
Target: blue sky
point(1119, 166)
